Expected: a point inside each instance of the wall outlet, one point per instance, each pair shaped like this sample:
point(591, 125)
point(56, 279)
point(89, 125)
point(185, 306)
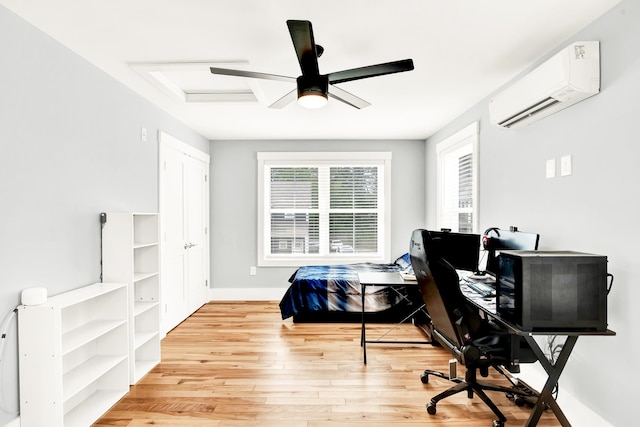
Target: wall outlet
point(143, 134)
point(252, 270)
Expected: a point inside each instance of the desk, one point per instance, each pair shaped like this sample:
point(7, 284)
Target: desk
point(553, 370)
point(393, 280)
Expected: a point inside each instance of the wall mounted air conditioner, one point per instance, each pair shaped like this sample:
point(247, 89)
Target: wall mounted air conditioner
point(570, 76)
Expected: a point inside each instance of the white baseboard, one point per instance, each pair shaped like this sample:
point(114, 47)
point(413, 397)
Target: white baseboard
point(246, 294)
point(576, 412)
point(13, 423)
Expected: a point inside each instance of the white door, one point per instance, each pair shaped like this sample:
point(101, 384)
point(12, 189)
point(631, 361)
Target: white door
point(196, 225)
point(184, 217)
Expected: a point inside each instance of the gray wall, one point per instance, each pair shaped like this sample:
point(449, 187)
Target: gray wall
point(593, 210)
point(234, 204)
point(69, 148)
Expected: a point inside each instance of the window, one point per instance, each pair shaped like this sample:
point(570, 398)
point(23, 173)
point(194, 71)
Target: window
point(457, 177)
point(323, 208)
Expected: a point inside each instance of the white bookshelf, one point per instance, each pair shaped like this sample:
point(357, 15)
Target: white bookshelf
point(130, 253)
point(74, 356)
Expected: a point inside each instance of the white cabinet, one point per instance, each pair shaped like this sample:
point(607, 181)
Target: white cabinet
point(74, 356)
point(130, 253)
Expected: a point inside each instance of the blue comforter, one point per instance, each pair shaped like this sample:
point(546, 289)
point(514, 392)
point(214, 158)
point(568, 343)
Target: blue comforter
point(336, 288)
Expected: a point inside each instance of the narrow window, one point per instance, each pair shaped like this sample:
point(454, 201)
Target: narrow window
point(457, 181)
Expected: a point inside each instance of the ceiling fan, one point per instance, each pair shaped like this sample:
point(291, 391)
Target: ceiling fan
point(313, 87)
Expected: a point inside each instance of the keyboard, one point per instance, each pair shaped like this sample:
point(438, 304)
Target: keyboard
point(481, 288)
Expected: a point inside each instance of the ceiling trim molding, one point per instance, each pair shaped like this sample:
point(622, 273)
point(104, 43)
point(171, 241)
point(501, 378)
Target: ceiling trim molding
point(156, 73)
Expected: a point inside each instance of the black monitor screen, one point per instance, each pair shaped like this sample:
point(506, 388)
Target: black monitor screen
point(507, 239)
point(461, 250)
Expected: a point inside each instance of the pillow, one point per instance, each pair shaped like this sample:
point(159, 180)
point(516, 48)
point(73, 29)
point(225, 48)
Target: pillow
point(403, 261)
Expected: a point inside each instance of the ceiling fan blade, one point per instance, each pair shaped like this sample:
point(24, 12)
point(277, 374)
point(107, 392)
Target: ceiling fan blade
point(302, 38)
point(346, 97)
point(371, 71)
point(285, 100)
point(250, 74)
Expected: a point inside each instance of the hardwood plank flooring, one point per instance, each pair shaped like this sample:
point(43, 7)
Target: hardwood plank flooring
point(235, 364)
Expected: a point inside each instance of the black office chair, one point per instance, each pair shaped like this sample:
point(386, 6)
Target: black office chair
point(457, 325)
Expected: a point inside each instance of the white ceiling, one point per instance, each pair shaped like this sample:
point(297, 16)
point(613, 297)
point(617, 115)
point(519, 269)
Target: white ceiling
point(462, 50)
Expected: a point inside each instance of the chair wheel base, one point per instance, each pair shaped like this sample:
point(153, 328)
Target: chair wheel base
point(431, 408)
point(498, 423)
point(424, 378)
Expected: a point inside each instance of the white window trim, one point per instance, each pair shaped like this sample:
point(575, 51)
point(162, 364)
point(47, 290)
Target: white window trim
point(467, 135)
point(299, 158)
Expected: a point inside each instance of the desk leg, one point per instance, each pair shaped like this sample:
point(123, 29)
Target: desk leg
point(554, 371)
point(363, 338)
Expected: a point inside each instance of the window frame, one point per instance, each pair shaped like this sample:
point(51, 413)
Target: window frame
point(466, 137)
point(266, 160)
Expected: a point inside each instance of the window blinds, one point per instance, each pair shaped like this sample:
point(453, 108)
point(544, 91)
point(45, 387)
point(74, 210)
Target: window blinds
point(353, 216)
point(294, 210)
point(324, 208)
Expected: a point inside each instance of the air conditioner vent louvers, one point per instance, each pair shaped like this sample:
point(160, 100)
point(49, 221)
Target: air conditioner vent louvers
point(528, 113)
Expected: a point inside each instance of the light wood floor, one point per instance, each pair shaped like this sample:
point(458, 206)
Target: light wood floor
point(238, 364)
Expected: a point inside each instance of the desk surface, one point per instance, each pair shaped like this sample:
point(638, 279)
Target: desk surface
point(386, 278)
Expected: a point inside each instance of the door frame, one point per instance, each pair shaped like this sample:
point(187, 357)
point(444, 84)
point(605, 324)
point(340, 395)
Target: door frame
point(167, 141)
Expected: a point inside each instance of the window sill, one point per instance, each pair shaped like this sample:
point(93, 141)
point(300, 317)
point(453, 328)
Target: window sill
point(333, 260)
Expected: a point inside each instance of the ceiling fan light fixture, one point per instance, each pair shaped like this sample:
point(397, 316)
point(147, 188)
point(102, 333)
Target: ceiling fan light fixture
point(312, 91)
point(312, 100)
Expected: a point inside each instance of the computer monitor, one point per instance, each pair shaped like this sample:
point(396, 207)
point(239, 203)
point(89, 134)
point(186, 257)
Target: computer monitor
point(497, 239)
point(461, 250)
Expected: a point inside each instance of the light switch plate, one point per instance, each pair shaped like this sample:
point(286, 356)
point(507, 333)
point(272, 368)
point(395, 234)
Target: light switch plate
point(551, 168)
point(565, 165)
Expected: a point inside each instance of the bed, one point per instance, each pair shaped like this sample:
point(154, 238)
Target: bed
point(332, 293)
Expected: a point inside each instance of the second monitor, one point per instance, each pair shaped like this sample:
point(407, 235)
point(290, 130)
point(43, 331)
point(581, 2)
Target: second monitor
point(461, 250)
point(496, 239)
